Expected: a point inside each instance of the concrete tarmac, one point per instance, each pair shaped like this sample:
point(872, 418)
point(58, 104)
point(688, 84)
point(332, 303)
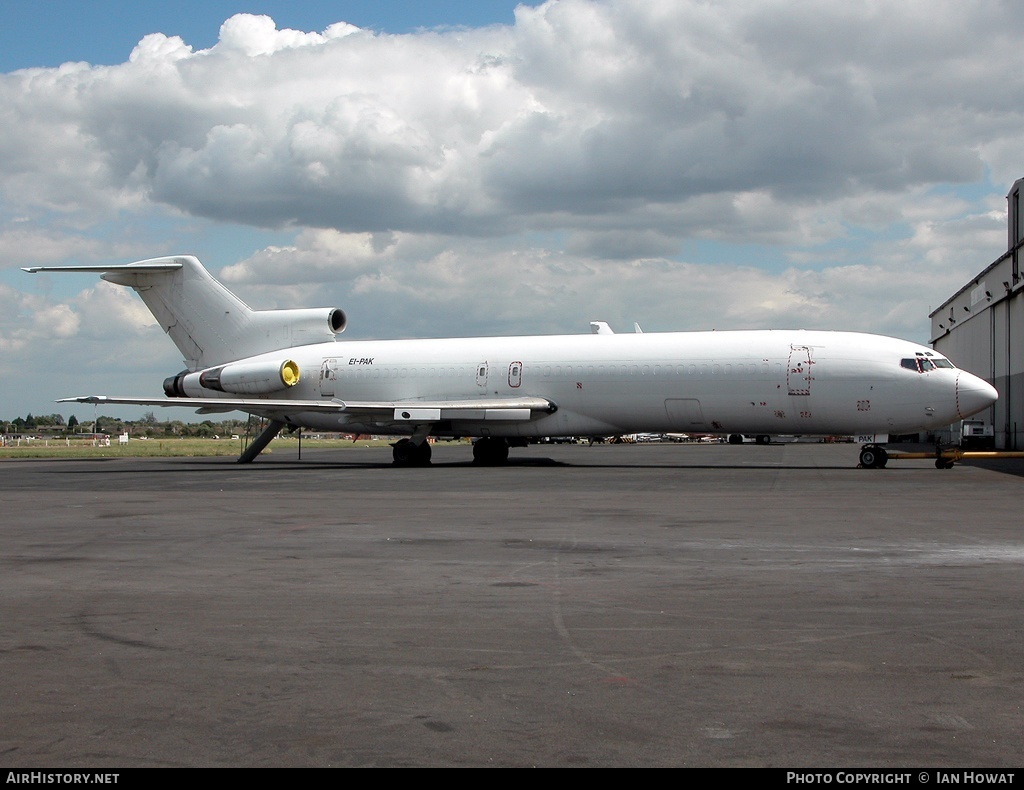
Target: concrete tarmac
point(631, 606)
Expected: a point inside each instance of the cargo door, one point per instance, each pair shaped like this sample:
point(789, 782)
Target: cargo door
point(685, 414)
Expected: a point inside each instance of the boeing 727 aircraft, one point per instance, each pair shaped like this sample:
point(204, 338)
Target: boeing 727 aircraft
point(289, 367)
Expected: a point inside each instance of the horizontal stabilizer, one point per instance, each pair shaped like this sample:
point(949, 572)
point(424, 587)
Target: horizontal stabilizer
point(169, 266)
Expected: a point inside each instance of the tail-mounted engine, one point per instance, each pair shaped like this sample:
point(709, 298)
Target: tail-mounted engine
point(239, 378)
point(298, 326)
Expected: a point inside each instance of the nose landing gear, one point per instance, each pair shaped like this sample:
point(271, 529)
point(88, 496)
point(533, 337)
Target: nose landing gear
point(872, 456)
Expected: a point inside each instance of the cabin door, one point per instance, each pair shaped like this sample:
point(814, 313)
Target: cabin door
point(798, 374)
point(328, 377)
point(515, 374)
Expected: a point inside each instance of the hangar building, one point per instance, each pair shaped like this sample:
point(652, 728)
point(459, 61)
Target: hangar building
point(981, 328)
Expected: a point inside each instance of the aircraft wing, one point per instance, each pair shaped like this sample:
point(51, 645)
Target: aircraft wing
point(410, 411)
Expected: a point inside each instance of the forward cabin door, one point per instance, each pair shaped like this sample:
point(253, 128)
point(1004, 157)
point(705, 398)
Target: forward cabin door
point(328, 377)
point(798, 373)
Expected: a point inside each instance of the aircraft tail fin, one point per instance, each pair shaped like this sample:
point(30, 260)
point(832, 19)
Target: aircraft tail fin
point(206, 321)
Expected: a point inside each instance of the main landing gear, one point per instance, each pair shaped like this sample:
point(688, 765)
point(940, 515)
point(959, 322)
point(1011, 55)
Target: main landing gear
point(405, 452)
point(489, 451)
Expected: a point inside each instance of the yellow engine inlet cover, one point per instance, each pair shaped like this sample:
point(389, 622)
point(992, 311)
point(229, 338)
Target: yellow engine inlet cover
point(290, 373)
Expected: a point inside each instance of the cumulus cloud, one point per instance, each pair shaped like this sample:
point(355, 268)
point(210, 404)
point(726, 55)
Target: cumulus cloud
point(581, 108)
point(103, 341)
point(20, 315)
point(97, 313)
point(684, 164)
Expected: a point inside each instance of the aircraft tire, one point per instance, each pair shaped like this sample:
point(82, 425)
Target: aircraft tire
point(405, 452)
point(872, 457)
point(490, 452)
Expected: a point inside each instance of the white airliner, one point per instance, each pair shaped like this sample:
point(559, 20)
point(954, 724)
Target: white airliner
point(287, 366)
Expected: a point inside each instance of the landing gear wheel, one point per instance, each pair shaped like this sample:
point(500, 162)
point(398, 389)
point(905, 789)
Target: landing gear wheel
point(762, 439)
point(490, 452)
point(873, 457)
point(405, 452)
point(943, 463)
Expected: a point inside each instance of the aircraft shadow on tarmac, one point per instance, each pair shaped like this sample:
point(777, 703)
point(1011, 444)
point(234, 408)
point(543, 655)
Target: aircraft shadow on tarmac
point(176, 465)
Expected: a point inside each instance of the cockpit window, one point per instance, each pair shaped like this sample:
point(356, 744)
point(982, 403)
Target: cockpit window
point(936, 360)
point(922, 364)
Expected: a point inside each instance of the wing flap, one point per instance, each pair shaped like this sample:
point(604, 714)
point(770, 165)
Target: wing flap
point(477, 409)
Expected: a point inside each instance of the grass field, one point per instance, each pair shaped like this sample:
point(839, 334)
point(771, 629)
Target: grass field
point(137, 448)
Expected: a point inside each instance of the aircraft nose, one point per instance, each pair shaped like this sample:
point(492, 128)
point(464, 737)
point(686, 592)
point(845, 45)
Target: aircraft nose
point(973, 394)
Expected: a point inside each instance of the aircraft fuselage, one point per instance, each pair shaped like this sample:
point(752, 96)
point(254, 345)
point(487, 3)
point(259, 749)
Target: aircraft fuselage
point(754, 382)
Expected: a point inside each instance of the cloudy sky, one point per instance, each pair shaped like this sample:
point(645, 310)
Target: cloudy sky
point(488, 167)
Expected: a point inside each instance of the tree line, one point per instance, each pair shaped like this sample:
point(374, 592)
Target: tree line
point(55, 425)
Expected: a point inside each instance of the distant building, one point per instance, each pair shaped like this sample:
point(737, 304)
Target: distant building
point(981, 328)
